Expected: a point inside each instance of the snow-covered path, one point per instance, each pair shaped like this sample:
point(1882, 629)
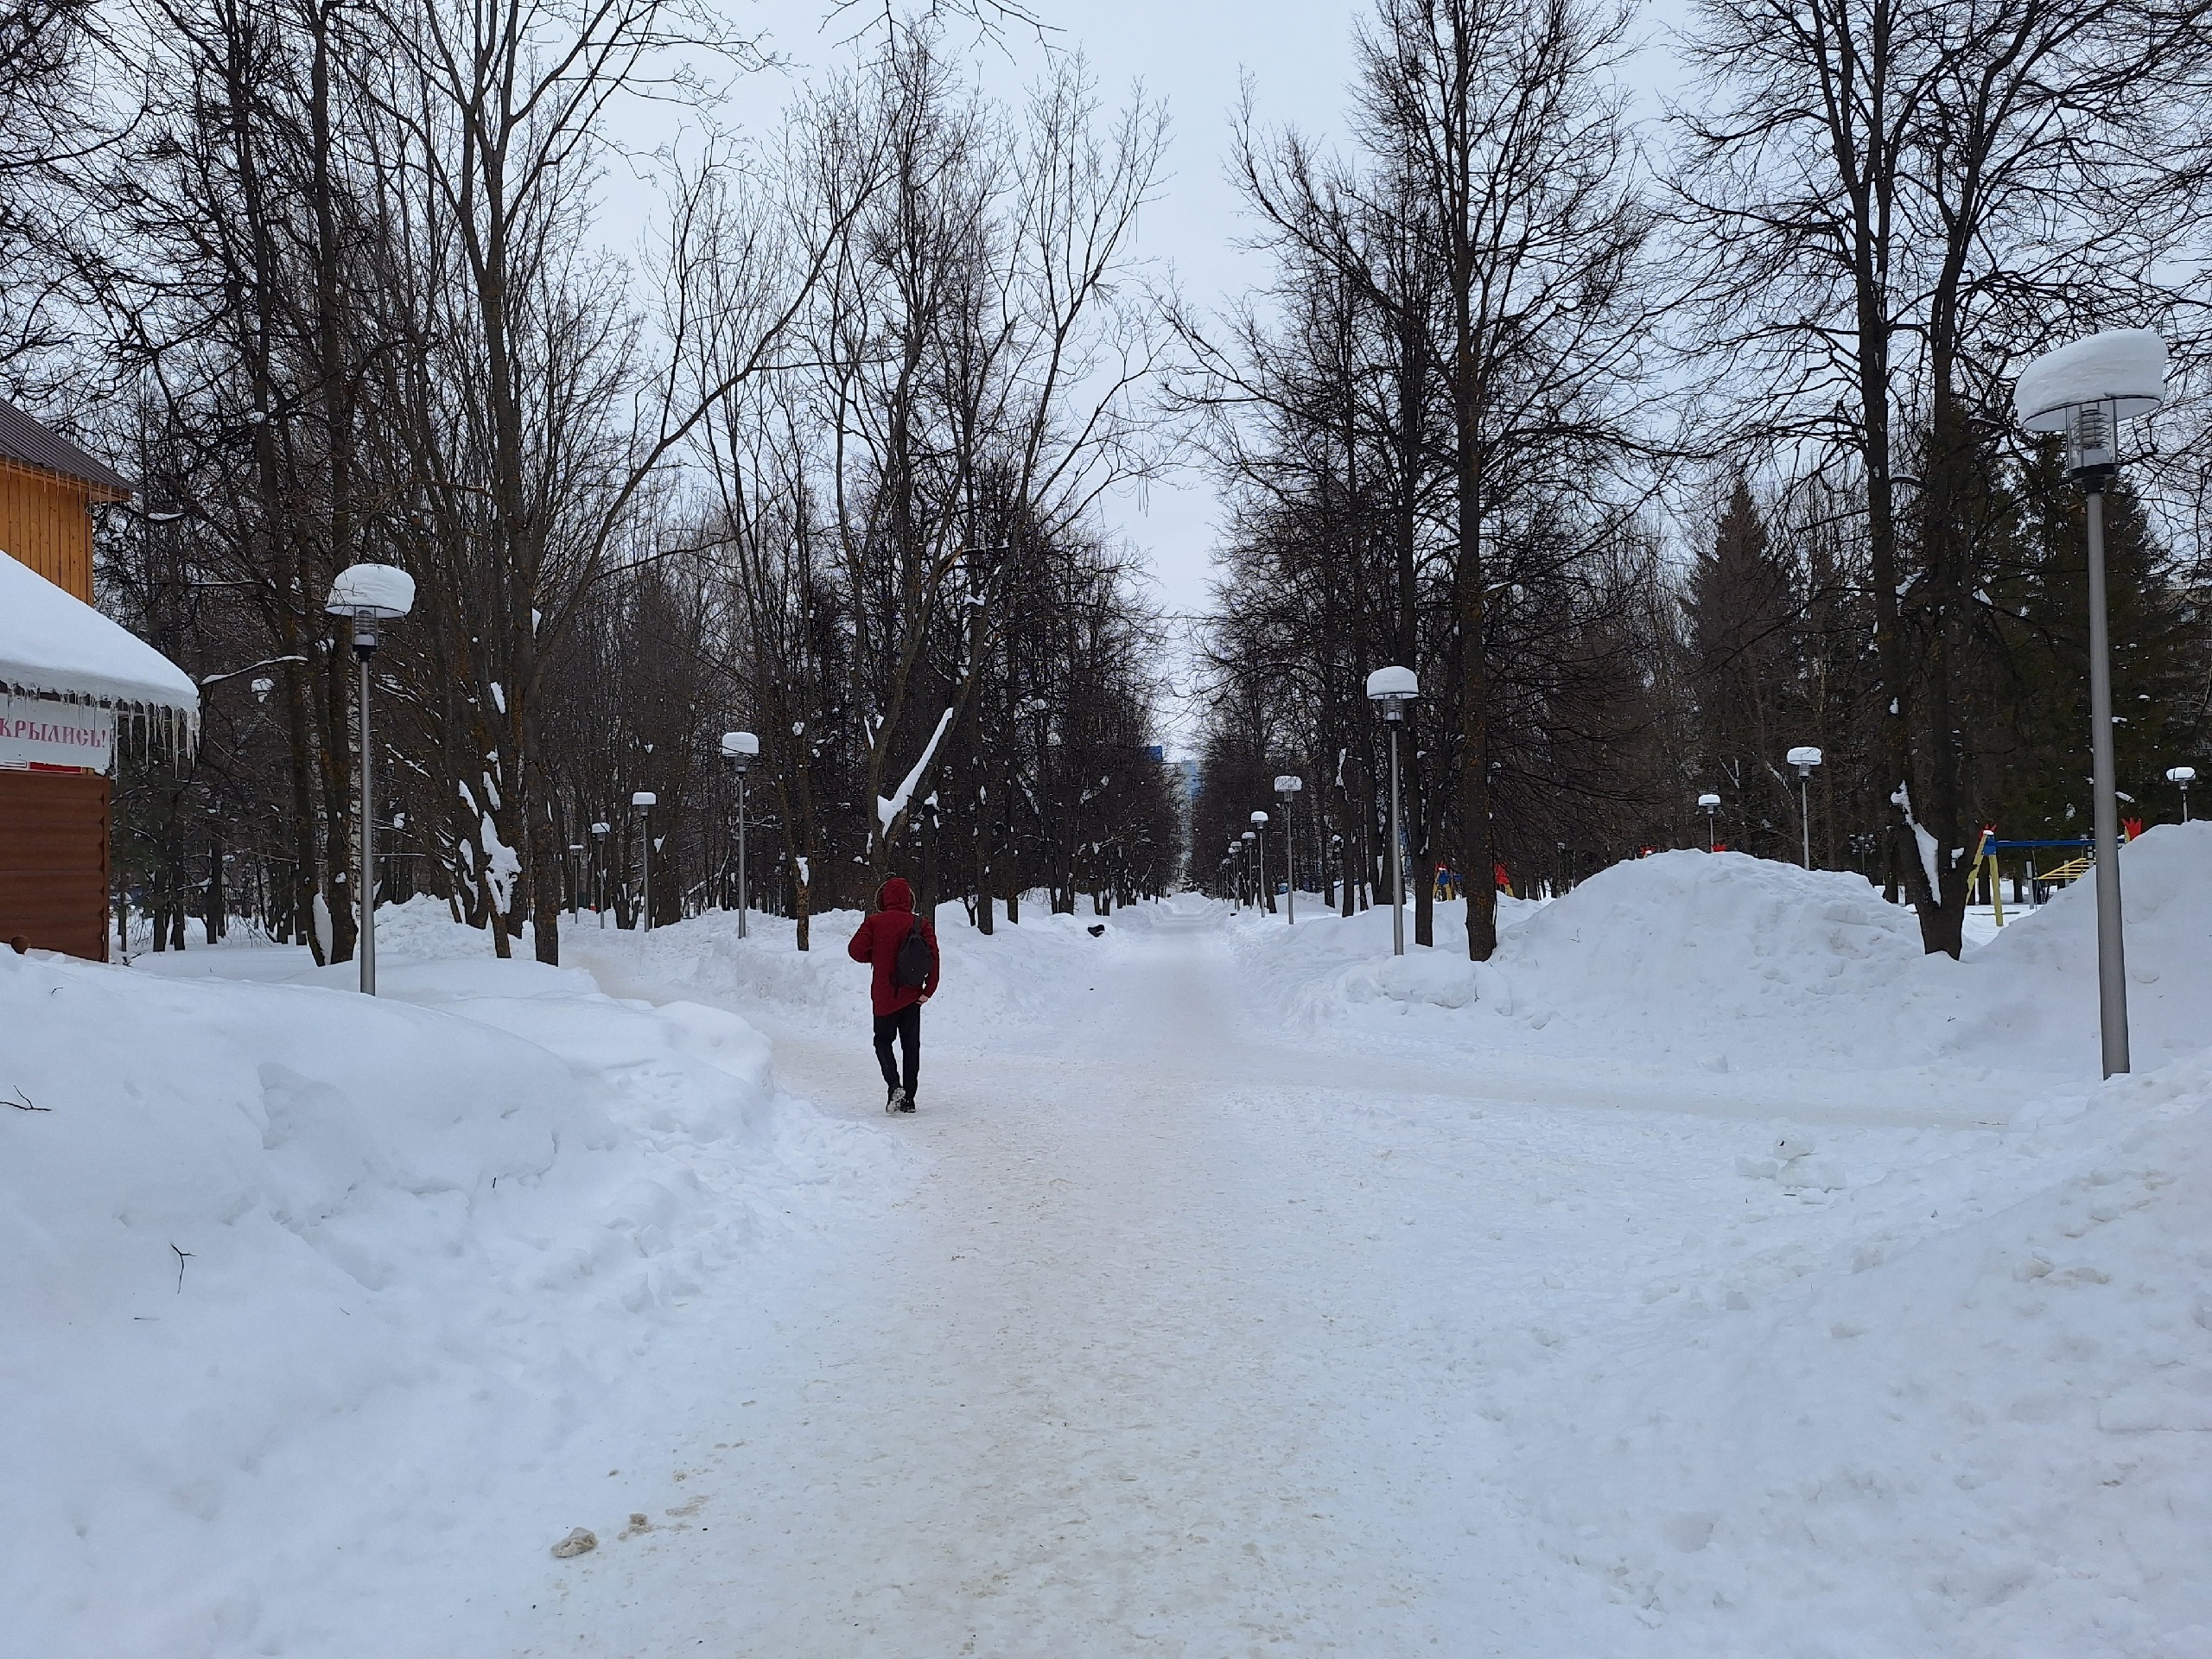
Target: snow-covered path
point(1176, 1349)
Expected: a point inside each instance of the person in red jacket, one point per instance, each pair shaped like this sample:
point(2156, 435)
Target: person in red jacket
point(898, 1008)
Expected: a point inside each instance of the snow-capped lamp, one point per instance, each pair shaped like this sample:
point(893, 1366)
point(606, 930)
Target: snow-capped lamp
point(1258, 837)
point(642, 803)
point(1287, 786)
point(740, 749)
point(2084, 390)
point(2182, 777)
point(372, 596)
point(599, 834)
point(1805, 757)
point(1709, 804)
point(1390, 690)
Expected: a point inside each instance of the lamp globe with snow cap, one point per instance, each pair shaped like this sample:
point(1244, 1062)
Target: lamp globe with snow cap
point(1288, 785)
point(369, 595)
point(2182, 777)
point(1390, 690)
point(2082, 391)
point(741, 749)
point(1260, 857)
point(642, 803)
point(1709, 804)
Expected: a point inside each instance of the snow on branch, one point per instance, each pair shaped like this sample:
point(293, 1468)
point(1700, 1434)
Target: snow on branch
point(887, 809)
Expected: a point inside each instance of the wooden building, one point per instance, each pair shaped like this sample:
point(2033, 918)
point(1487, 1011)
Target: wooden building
point(66, 673)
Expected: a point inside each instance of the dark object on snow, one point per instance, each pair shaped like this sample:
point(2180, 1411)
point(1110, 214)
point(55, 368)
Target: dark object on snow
point(1096, 930)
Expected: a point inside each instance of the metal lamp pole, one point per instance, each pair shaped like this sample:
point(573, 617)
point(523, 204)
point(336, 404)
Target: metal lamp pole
point(643, 803)
point(740, 749)
point(1710, 803)
point(1287, 787)
point(1260, 860)
point(1390, 690)
point(2182, 776)
point(1805, 760)
point(599, 834)
point(2084, 390)
point(371, 595)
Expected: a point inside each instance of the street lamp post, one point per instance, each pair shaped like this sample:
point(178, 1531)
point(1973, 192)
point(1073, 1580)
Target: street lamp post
point(2084, 390)
point(2182, 776)
point(1805, 758)
point(575, 879)
point(1287, 787)
point(1390, 690)
point(371, 595)
point(740, 749)
point(599, 834)
point(1260, 860)
point(1710, 803)
point(643, 803)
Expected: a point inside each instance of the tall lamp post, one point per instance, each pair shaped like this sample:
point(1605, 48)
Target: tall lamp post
point(2084, 390)
point(642, 803)
point(1259, 839)
point(1710, 803)
point(1805, 758)
point(1390, 690)
point(599, 834)
point(1286, 786)
point(2182, 776)
point(740, 749)
point(575, 879)
point(371, 595)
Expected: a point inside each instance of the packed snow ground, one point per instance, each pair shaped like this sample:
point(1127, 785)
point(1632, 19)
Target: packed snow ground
point(1710, 1273)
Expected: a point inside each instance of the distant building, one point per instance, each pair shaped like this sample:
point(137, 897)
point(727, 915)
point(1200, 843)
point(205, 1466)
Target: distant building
point(66, 673)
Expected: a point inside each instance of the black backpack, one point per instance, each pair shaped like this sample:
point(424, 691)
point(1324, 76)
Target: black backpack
point(916, 961)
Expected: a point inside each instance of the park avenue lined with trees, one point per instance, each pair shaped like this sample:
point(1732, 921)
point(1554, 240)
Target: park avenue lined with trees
point(1656, 446)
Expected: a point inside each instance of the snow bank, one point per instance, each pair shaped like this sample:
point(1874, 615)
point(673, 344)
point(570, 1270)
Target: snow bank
point(2031, 991)
point(309, 1295)
point(1964, 1409)
point(1732, 963)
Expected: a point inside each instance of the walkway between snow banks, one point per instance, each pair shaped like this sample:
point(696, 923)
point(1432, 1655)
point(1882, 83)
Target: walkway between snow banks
point(1195, 1338)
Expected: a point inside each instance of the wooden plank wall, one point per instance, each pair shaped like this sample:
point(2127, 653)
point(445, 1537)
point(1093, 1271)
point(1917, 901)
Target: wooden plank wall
point(46, 521)
point(54, 870)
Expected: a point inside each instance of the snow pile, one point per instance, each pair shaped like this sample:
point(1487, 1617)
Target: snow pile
point(1716, 953)
point(2031, 990)
point(307, 1295)
point(1733, 964)
point(1965, 1409)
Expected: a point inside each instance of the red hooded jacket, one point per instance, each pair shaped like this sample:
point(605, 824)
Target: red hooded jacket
point(878, 941)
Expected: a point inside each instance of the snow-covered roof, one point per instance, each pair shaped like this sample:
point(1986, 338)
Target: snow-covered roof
point(2125, 366)
point(54, 644)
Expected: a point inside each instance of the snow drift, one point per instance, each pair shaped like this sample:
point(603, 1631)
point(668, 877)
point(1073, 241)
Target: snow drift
point(307, 1294)
point(1731, 962)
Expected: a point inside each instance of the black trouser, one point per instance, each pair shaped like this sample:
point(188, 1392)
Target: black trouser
point(906, 1024)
